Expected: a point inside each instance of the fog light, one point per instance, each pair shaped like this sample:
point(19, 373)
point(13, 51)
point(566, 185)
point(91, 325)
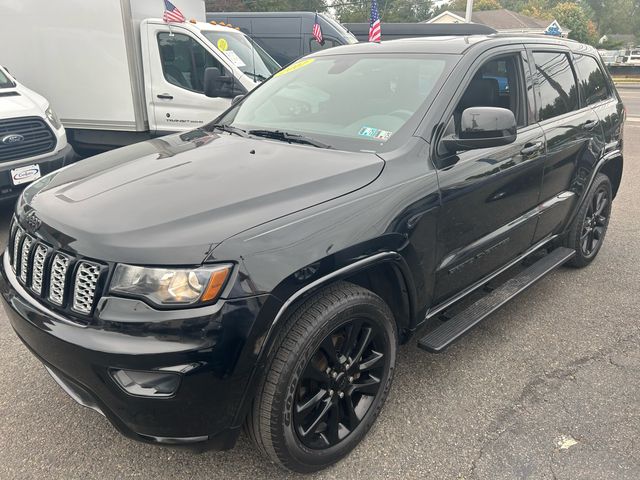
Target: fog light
point(147, 384)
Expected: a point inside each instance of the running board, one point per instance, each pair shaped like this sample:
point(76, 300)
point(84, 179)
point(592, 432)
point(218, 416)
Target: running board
point(441, 337)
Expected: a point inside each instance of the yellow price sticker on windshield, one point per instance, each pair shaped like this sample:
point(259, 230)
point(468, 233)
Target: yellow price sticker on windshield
point(295, 66)
point(222, 45)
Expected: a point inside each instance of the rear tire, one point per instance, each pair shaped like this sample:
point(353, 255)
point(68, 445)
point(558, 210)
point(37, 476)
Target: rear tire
point(587, 231)
point(327, 381)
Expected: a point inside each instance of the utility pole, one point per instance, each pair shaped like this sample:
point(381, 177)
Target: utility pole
point(467, 17)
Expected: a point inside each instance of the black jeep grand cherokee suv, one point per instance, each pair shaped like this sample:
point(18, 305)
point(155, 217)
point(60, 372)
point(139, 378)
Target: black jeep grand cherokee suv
point(261, 271)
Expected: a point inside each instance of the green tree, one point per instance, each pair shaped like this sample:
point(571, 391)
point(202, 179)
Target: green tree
point(266, 5)
point(572, 16)
point(479, 5)
point(461, 6)
point(390, 10)
point(615, 16)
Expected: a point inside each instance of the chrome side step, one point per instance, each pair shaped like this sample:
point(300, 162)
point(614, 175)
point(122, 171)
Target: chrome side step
point(441, 337)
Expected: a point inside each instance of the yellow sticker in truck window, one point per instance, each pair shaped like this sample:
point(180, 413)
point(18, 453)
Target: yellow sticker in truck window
point(222, 45)
point(295, 66)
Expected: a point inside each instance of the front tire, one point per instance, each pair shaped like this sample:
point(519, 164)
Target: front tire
point(328, 379)
point(587, 231)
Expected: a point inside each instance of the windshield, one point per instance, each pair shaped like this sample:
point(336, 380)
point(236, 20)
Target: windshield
point(244, 53)
point(353, 102)
point(5, 81)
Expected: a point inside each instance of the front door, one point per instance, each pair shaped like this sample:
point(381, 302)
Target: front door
point(489, 196)
point(176, 64)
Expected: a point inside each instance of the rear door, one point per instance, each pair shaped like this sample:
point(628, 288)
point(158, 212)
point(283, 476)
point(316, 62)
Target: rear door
point(489, 196)
point(281, 37)
point(573, 134)
point(597, 92)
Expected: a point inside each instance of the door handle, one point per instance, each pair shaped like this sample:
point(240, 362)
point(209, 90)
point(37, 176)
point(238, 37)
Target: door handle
point(165, 96)
point(530, 148)
point(590, 125)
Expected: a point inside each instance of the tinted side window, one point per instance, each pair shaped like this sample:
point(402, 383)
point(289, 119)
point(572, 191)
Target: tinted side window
point(284, 50)
point(592, 80)
point(557, 89)
point(314, 46)
point(496, 84)
point(184, 61)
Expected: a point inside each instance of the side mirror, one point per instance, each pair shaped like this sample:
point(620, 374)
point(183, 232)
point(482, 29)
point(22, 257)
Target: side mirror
point(236, 99)
point(216, 84)
point(483, 127)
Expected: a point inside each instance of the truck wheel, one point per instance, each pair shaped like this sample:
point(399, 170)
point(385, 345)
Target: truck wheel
point(588, 229)
point(328, 379)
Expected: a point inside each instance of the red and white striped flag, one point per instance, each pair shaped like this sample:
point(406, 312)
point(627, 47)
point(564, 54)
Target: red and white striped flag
point(172, 13)
point(375, 34)
point(317, 31)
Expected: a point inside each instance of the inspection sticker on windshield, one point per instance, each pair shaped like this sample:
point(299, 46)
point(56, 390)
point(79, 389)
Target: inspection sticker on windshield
point(235, 59)
point(222, 44)
point(295, 66)
point(375, 133)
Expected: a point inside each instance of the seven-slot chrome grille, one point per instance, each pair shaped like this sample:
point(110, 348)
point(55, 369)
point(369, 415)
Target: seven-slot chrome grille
point(56, 277)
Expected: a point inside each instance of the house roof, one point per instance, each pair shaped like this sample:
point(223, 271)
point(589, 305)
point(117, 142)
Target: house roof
point(504, 19)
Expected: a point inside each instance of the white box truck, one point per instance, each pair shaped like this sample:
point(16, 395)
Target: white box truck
point(117, 74)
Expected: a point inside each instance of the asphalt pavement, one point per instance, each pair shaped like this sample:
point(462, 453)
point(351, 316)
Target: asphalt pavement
point(548, 387)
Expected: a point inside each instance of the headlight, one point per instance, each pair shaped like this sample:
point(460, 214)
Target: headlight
point(171, 286)
point(53, 118)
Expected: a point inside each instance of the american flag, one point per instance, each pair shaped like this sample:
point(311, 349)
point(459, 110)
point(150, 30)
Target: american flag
point(317, 31)
point(172, 13)
point(375, 34)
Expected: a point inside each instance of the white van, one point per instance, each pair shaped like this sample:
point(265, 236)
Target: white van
point(32, 139)
point(118, 74)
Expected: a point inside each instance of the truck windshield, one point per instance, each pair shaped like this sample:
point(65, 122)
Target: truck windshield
point(351, 102)
point(244, 53)
point(5, 82)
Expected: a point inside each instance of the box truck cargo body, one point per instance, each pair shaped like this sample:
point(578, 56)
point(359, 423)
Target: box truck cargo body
point(117, 73)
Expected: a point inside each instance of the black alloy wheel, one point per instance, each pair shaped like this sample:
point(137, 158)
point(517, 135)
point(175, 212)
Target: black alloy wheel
point(327, 379)
point(339, 384)
point(595, 221)
point(587, 231)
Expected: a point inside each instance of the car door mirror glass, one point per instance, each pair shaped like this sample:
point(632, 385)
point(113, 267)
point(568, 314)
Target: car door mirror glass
point(482, 127)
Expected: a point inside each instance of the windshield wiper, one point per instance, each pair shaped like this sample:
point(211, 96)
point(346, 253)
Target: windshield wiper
point(288, 137)
point(229, 129)
point(256, 76)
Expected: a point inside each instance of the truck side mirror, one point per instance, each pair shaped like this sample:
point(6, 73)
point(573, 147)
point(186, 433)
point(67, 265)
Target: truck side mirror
point(216, 84)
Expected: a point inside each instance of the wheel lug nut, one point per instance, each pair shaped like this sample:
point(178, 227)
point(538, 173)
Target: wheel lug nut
point(334, 374)
point(341, 394)
point(331, 393)
point(350, 379)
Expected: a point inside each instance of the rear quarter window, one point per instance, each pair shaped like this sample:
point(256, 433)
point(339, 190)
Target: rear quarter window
point(593, 82)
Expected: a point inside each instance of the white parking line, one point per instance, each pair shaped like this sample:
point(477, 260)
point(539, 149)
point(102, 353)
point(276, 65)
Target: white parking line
point(633, 119)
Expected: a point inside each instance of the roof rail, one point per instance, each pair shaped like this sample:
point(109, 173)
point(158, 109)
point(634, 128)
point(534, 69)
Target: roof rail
point(391, 31)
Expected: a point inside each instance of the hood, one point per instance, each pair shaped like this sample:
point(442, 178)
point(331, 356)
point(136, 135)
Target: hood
point(171, 200)
point(21, 102)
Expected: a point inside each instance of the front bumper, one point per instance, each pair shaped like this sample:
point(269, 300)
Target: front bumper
point(48, 164)
point(214, 353)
